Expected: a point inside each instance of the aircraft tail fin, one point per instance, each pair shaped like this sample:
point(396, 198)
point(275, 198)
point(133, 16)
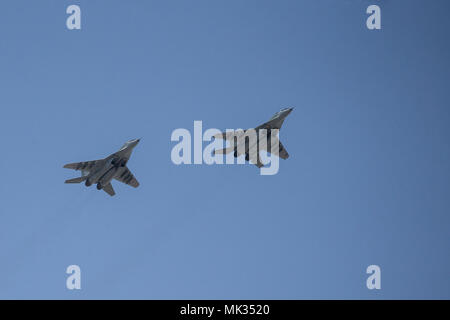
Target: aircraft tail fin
point(76, 180)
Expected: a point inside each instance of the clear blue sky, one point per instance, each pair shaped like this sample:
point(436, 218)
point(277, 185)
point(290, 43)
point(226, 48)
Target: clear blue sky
point(367, 181)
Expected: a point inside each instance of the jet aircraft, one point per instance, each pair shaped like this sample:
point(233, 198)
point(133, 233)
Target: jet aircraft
point(274, 123)
point(102, 171)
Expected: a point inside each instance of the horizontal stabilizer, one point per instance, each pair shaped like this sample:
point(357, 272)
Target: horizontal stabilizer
point(76, 180)
point(85, 166)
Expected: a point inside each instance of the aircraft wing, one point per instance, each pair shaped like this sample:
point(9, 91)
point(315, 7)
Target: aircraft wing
point(109, 189)
point(282, 153)
point(124, 175)
point(229, 134)
point(84, 166)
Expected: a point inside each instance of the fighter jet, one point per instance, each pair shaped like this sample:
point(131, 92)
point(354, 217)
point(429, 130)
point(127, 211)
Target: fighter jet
point(102, 171)
point(274, 123)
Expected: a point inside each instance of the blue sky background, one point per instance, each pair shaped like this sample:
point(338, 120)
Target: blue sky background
point(367, 181)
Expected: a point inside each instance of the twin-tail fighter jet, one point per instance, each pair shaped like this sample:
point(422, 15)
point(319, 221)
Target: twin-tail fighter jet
point(274, 123)
point(102, 171)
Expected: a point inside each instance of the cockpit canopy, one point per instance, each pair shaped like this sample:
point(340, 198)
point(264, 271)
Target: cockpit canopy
point(280, 113)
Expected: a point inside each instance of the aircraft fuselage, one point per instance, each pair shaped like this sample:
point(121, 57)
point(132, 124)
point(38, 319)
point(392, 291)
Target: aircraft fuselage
point(105, 173)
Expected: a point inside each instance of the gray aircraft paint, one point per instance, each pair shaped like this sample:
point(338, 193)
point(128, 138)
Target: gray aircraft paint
point(274, 123)
point(103, 171)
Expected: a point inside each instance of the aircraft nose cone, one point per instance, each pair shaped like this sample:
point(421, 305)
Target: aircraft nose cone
point(134, 142)
point(288, 111)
